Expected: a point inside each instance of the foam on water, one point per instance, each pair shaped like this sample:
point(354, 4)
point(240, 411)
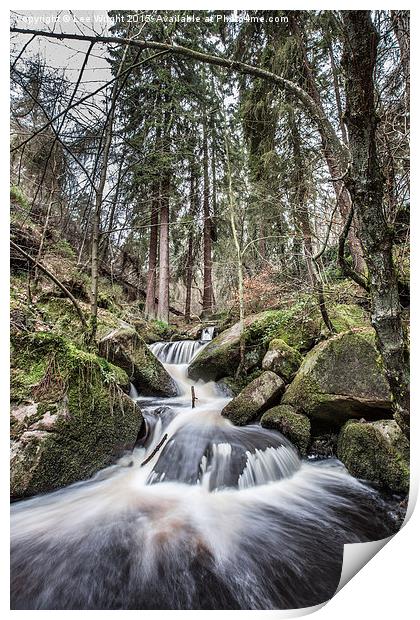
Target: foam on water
point(221, 517)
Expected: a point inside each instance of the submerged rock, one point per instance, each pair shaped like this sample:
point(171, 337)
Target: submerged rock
point(376, 451)
point(70, 416)
point(295, 426)
point(256, 398)
point(282, 359)
point(126, 349)
point(341, 378)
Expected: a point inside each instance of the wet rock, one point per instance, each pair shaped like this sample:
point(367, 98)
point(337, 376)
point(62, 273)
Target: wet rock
point(376, 451)
point(226, 387)
point(295, 426)
point(70, 416)
point(126, 349)
point(257, 397)
point(323, 445)
point(282, 359)
point(221, 356)
point(341, 378)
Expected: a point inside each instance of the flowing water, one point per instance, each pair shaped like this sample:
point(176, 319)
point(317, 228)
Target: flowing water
point(220, 517)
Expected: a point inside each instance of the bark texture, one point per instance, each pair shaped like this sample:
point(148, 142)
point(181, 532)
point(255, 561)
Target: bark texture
point(366, 186)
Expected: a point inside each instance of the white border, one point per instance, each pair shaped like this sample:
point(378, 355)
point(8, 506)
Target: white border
point(387, 586)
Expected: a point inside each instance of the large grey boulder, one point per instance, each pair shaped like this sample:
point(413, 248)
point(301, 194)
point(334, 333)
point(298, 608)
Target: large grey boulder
point(282, 359)
point(262, 393)
point(126, 349)
point(376, 451)
point(341, 378)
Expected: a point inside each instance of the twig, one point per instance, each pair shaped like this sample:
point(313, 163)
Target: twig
point(54, 279)
point(158, 447)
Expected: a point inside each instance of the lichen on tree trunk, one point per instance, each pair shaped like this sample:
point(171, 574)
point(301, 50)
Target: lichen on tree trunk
point(365, 183)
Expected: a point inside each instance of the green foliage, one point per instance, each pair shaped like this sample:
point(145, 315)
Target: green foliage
point(161, 329)
point(63, 248)
point(18, 195)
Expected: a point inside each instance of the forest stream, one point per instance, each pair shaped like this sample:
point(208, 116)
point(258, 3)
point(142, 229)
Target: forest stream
point(221, 517)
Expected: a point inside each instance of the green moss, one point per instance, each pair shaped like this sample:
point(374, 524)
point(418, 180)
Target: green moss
point(60, 314)
point(95, 420)
point(17, 194)
point(282, 359)
point(292, 326)
point(340, 379)
point(294, 426)
point(348, 316)
point(161, 329)
point(377, 452)
point(36, 355)
point(254, 399)
point(126, 349)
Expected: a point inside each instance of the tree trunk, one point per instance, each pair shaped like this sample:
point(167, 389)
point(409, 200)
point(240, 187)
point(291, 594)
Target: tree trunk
point(190, 254)
point(239, 262)
point(150, 304)
point(302, 217)
point(401, 25)
point(207, 286)
point(163, 303)
point(99, 192)
point(337, 93)
point(333, 151)
point(366, 185)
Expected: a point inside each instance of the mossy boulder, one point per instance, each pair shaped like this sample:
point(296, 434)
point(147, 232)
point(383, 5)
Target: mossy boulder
point(258, 396)
point(282, 359)
point(295, 426)
point(376, 451)
point(341, 378)
point(299, 326)
point(346, 316)
point(70, 415)
point(220, 358)
point(126, 349)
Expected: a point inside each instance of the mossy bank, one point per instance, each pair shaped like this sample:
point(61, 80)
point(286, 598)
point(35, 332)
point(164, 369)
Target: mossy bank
point(70, 413)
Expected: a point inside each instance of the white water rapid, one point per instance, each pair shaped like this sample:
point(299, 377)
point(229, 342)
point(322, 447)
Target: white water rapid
point(221, 517)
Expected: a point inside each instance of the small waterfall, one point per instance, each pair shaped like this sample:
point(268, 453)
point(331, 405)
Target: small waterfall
point(268, 465)
point(178, 352)
point(133, 392)
point(207, 333)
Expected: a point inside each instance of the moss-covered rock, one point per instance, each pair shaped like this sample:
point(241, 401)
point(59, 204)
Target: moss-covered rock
point(376, 451)
point(257, 397)
point(70, 416)
point(282, 359)
point(220, 358)
point(300, 326)
point(346, 316)
point(124, 347)
point(295, 426)
point(341, 378)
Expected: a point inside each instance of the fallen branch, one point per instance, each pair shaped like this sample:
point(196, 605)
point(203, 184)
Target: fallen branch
point(54, 279)
point(158, 447)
